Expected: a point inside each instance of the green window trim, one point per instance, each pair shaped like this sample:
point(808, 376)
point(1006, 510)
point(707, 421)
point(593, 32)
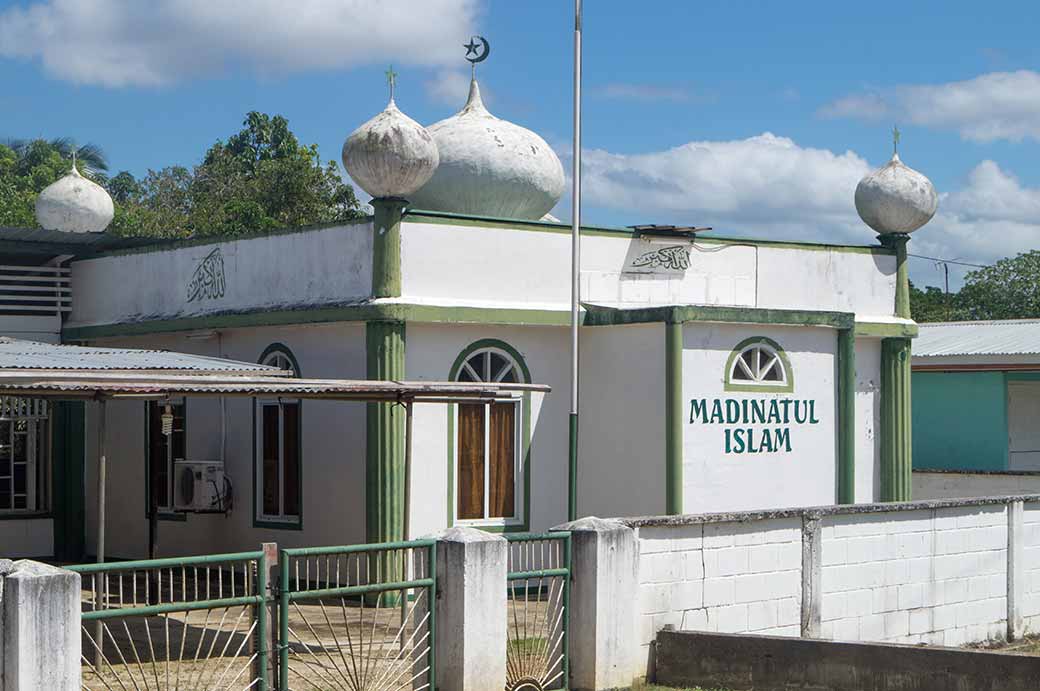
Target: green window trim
point(525, 439)
point(277, 523)
point(738, 387)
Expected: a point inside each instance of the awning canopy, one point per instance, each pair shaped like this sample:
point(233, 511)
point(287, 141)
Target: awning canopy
point(46, 370)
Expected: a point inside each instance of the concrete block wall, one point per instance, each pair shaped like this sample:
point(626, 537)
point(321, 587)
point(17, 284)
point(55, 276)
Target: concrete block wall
point(933, 572)
point(724, 577)
point(1031, 568)
point(935, 576)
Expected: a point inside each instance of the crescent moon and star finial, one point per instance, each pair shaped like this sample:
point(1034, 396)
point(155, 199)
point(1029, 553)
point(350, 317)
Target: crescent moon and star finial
point(391, 79)
point(895, 139)
point(479, 48)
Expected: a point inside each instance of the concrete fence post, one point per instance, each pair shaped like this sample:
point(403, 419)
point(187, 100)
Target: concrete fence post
point(812, 575)
point(470, 645)
point(1015, 568)
point(39, 627)
point(601, 623)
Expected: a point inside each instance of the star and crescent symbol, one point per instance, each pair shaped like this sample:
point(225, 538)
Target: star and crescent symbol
point(478, 47)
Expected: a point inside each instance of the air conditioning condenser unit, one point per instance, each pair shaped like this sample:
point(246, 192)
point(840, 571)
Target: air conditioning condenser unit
point(200, 487)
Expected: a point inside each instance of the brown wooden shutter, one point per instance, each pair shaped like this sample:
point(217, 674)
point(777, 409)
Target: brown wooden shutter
point(470, 501)
point(503, 460)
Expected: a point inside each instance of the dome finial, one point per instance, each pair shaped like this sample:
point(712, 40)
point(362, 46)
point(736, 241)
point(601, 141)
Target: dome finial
point(391, 79)
point(74, 204)
point(896, 199)
point(895, 140)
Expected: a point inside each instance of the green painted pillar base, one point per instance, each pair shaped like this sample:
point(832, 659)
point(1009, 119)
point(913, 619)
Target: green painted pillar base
point(385, 430)
point(896, 461)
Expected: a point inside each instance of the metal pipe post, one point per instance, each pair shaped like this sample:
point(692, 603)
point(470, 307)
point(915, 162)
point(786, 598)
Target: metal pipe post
point(572, 499)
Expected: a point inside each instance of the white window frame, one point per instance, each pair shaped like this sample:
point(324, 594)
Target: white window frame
point(754, 378)
point(283, 360)
point(518, 470)
point(36, 413)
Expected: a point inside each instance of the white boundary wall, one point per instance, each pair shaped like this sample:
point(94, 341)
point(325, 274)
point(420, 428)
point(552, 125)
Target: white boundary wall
point(920, 572)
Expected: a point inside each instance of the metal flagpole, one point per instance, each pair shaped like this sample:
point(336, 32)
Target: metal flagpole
point(572, 500)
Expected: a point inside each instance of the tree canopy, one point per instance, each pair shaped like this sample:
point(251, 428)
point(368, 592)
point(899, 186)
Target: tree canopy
point(260, 178)
point(1009, 289)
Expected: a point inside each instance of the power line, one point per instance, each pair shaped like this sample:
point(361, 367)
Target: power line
point(949, 261)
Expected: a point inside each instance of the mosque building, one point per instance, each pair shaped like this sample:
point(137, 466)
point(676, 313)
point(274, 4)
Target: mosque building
point(716, 373)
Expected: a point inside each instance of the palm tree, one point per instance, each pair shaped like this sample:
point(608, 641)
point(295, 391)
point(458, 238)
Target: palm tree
point(91, 157)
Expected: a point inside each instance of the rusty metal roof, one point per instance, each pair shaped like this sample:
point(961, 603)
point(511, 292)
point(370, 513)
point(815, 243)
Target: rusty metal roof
point(1000, 337)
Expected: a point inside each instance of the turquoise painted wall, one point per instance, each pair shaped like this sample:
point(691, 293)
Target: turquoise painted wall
point(959, 420)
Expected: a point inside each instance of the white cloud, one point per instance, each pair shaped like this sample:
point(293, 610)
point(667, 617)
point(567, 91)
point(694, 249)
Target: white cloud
point(770, 187)
point(998, 105)
point(133, 43)
point(643, 92)
point(451, 87)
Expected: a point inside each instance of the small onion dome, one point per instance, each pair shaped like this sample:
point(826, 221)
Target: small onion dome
point(74, 204)
point(490, 167)
point(391, 155)
point(896, 199)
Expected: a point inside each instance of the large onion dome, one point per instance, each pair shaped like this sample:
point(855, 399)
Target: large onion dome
point(74, 204)
point(490, 167)
point(391, 155)
point(896, 198)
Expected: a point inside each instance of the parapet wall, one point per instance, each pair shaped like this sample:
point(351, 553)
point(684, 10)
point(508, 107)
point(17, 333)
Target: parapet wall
point(944, 572)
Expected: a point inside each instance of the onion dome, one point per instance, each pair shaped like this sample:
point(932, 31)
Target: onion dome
point(391, 155)
point(74, 204)
point(896, 198)
point(490, 167)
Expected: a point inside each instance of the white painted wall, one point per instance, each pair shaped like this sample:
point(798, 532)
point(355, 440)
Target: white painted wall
point(934, 575)
point(721, 577)
point(718, 481)
point(284, 270)
point(432, 349)
point(26, 537)
point(732, 273)
point(333, 453)
point(868, 420)
point(621, 448)
point(1031, 567)
point(937, 577)
point(928, 485)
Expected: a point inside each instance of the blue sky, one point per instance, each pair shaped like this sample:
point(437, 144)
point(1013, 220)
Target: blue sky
point(756, 118)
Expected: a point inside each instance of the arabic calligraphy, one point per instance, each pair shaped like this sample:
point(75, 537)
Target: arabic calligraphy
point(674, 257)
point(207, 282)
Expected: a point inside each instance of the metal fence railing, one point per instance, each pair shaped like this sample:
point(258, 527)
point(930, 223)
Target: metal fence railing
point(538, 600)
point(183, 623)
point(358, 617)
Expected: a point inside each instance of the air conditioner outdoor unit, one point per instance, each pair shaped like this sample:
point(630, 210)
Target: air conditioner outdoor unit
point(200, 487)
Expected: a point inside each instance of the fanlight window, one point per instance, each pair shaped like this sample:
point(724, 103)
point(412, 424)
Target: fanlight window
point(759, 364)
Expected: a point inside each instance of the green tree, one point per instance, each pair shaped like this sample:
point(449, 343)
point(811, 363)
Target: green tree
point(1010, 289)
point(934, 305)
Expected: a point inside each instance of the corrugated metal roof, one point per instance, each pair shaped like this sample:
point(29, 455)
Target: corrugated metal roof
point(1002, 337)
point(42, 240)
point(32, 355)
point(66, 384)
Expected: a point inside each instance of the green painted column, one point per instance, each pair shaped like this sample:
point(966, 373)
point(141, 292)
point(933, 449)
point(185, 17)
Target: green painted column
point(386, 247)
point(846, 416)
point(896, 460)
point(897, 242)
point(673, 414)
point(385, 436)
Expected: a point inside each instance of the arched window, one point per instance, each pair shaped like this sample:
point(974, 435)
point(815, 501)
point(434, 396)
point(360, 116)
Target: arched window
point(759, 364)
point(279, 470)
point(487, 442)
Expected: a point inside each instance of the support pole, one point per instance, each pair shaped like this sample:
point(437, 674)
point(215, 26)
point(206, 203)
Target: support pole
point(896, 461)
point(572, 495)
point(846, 416)
point(101, 480)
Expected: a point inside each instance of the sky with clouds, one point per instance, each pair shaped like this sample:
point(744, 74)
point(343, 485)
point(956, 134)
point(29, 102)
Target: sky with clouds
point(756, 118)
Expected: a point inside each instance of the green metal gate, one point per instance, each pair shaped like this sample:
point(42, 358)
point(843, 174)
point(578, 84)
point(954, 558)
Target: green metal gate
point(357, 618)
point(538, 601)
point(193, 623)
